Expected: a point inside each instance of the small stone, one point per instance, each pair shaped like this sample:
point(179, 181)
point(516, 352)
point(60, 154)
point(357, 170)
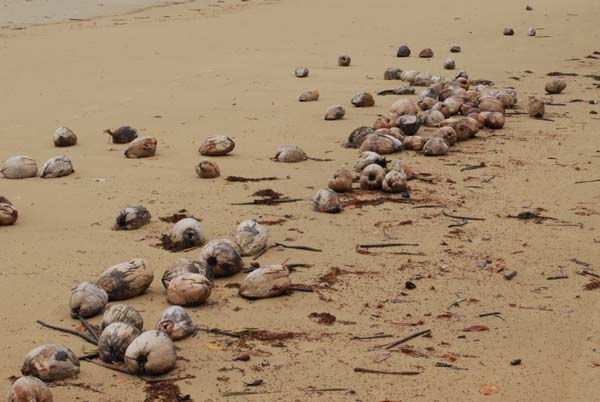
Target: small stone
point(555, 86)
point(64, 137)
point(516, 362)
point(403, 51)
point(301, 72)
point(344, 60)
point(410, 285)
point(531, 31)
point(426, 53)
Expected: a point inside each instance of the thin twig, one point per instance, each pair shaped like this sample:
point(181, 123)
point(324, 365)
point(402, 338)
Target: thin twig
point(362, 338)
point(405, 339)
point(381, 245)
point(457, 225)
point(263, 251)
point(586, 272)
point(370, 371)
point(428, 206)
point(456, 302)
point(587, 181)
point(218, 331)
point(268, 201)
point(461, 217)
point(181, 378)
point(301, 289)
point(88, 356)
point(307, 248)
point(69, 331)
point(89, 327)
point(111, 367)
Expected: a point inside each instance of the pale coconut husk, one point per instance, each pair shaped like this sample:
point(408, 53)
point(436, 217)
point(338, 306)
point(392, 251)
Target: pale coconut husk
point(392, 73)
point(183, 266)
point(436, 146)
point(536, 108)
point(267, 281)
point(341, 181)
point(114, 340)
point(393, 132)
point(344, 60)
point(335, 112)
point(87, 300)
point(122, 135)
point(132, 218)
point(371, 177)
point(122, 313)
point(19, 167)
point(394, 182)
point(448, 134)
point(400, 166)
point(433, 118)
point(507, 99)
point(381, 143)
point(189, 290)
point(290, 154)
point(153, 352)
point(555, 86)
point(64, 137)
point(251, 236)
point(222, 256)
point(326, 200)
point(51, 362)
point(358, 135)
point(29, 389)
point(141, 148)
point(404, 106)
point(478, 117)
point(413, 143)
point(182, 327)
point(363, 99)
point(218, 145)
point(309, 95)
point(493, 120)
point(426, 103)
point(367, 158)
point(187, 233)
point(8, 214)
point(206, 169)
point(126, 280)
point(489, 104)
point(301, 72)
point(59, 166)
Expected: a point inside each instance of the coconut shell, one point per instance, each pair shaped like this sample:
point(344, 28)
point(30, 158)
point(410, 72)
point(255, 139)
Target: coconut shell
point(392, 73)
point(182, 266)
point(455, 48)
point(309, 95)
point(413, 143)
point(426, 103)
point(182, 324)
point(59, 166)
point(218, 145)
point(403, 168)
point(426, 53)
point(29, 389)
point(556, 86)
point(536, 108)
point(153, 352)
point(335, 112)
point(448, 134)
point(433, 118)
point(436, 146)
point(403, 51)
point(326, 200)
point(489, 104)
point(19, 167)
point(531, 31)
point(409, 124)
point(114, 340)
point(301, 72)
point(141, 148)
point(341, 181)
point(189, 290)
point(479, 117)
point(187, 233)
point(494, 120)
point(466, 128)
point(122, 135)
point(394, 182)
point(344, 61)
point(381, 144)
point(51, 363)
point(87, 300)
point(122, 313)
point(132, 218)
point(252, 237)
point(363, 99)
point(222, 256)
point(371, 177)
point(8, 214)
point(126, 280)
point(404, 106)
point(393, 132)
point(358, 135)
point(206, 169)
point(408, 75)
point(507, 99)
point(64, 137)
point(267, 281)
point(367, 158)
point(508, 32)
point(290, 154)
point(449, 64)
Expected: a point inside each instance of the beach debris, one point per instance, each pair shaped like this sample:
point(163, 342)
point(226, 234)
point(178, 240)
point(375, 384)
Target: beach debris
point(426, 53)
point(153, 352)
point(217, 145)
point(189, 289)
point(366, 158)
point(182, 327)
point(489, 389)
point(301, 72)
point(335, 112)
point(29, 389)
point(122, 313)
point(122, 135)
point(413, 143)
point(114, 340)
point(455, 48)
point(381, 144)
point(290, 154)
point(448, 134)
point(141, 148)
point(435, 146)
point(403, 51)
point(556, 86)
point(64, 137)
point(466, 128)
point(536, 108)
point(491, 104)
point(358, 135)
point(508, 32)
point(187, 233)
point(404, 106)
point(126, 280)
point(344, 61)
point(59, 166)
point(400, 166)
point(251, 236)
point(132, 218)
point(309, 95)
point(363, 99)
point(409, 124)
point(267, 281)
point(222, 256)
point(19, 167)
point(326, 200)
point(531, 31)
point(207, 169)
point(50, 362)
point(392, 73)
point(528, 8)
point(341, 181)
point(87, 300)
point(493, 120)
point(433, 118)
point(394, 182)
point(8, 214)
point(371, 177)
point(182, 266)
point(449, 64)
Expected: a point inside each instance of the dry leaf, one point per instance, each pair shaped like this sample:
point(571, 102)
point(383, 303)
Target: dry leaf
point(215, 346)
point(489, 389)
point(476, 328)
point(597, 364)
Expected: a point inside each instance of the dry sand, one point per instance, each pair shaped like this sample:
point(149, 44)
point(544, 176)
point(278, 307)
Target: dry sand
point(184, 72)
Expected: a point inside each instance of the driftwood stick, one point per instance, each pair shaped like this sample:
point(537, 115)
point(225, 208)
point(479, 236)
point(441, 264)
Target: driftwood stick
point(307, 248)
point(461, 217)
point(362, 338)
point(69, 331)
point(180, 378)
point(370, 371)
point(89, 327)
point(111, 367)
point(301, 289)
point(405, 339)
point(381, 245)
point(428, 206)
point(587, 181)
point(88, 356)
point(218, 331)
point(268, 201)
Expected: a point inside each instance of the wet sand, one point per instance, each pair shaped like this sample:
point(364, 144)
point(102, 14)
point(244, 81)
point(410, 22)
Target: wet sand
point(185, 72)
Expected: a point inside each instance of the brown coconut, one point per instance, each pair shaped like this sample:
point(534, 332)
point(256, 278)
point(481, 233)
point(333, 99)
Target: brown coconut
point(8, 214)
point(207, 169)
point(126, 280)
point(51, 362)
point(394, 182)
point(222, 256)
point(371, 177)
point(87, 300)
point(29, 389)
point(141, 148)
point(218, 145)
point(153, 353)
point(189, 289)
point(114, 340)
point(267, 281)
point(381, 144)
point(122, 313)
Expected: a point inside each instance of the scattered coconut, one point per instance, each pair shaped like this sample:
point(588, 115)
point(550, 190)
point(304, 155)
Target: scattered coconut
point(367, 158)
point(122, 135)
point(183, 266)
point(309, 95)
point(449, 64)
point(409, 124)
point(87, 300)
point(455, 48)
point(403, 51)
point(141, 148)
point(335, 112)
point(531, 31)
point(182, 327)
point(122, 313)
point(413, 143)
point(59, 166)
point(206, 169)
point(404, 106)
point(342, 181)
point(426, 103)
point(218, 145)
point(29, 389)
point(435, 146)
point(489, 104)
point(508, 32)
point(493, 120)
point(401, 167)
point(392, 73)
point(363, 99)
point(556, 86)
point(251, 236)
point(189, 289)
point(466, 128)
point(394, 182)
point(371, 177)
point(126, 280)
point(187, 233)
point(64, 137)
point(222, 256)
point(114, 340)
point(358, 135)
point(132, 218)
point(448, 134)
point(536, 108)
point(51, 363)
point(326, 200)
point(153, 352)
point(19, 167)
point(301, 72)
point(426, 53)
point(8, 214)
point(344, 61)
point(433, 118)
point(381, 144)
point(267, 281)
point(290, 154)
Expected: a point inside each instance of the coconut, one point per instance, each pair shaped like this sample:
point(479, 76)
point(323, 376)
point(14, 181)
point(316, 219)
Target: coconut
point(508, 32)
point(8, 214)
point(409, 75)
point(466, 128)
point(187, 233)
point(453, 104)
point(176, 322)
point(122, 135)
point(449, 64)
point(404, 106)
point(19, 167)
point(29, 389)
point(455, 48)
point(251, 237)
point(267, 281)
point(405, 91)
point(448, 134)
point(58, 166)
point(381, 144)
point(394, 182)
point(478, 117)
point(556, 86)
point(335, 112)
point(489, 104)
point(153, 352)
point(326, 200)
point(132, 218)
point(301, 72)
point(426, 103)
point(126, 280)
point(218, 145)
point(363, 99)
point(409, 124)
point(342, 181)
point(371, 177)
point(403, 51)
point(393, 132)
point(141, 148)
point(531, 31)
point(426, 53)
point(392, 73)
point(290, 154)
point(189, 289)
point(400, 166)
point(357, 136)
point(493, 120)
point(308, 95)
point(435, 146)
point(463, 83)
point(51, 363)
point(536, 108)
point(222, 256)
point(114, 340)
point(64, 137)
point(122, 313)
point(87, 300)
point(367, 158)
point(508, 100)
point(206, 169)
point(344, 61)
point(413, 143)
point(183, 266)
point(383, 122)
point(432, 118)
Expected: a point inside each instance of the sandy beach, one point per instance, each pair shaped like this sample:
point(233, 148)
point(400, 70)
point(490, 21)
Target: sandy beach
point(184, 72)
